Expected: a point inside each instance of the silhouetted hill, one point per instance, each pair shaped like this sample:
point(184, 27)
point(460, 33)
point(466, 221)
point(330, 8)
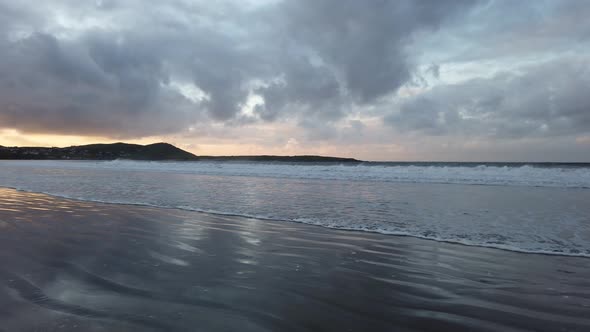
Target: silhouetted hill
point(268, 158)
point(158, 151)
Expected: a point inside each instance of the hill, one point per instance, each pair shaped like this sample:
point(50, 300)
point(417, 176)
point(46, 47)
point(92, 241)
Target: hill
point(269, 158)
point(157, 151)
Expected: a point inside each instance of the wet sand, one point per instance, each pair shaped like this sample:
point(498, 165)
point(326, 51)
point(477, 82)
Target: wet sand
point(78, 266)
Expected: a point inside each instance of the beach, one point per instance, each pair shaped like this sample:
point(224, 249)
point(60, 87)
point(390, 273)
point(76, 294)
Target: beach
point(68, 265)
point(291, 166)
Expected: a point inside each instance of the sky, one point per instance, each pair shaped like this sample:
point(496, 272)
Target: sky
point(453, 80)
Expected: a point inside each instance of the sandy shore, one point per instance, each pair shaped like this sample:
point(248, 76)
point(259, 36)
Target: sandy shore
point(77, 266)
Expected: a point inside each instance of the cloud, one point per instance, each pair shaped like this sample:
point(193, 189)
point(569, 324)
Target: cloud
point(512, 31)
point(343, 52)
point(123, 69)
point(416, 76)
point(542, 100)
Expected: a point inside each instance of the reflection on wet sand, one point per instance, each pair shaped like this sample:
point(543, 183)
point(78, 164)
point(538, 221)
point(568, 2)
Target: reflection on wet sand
point(77, 266)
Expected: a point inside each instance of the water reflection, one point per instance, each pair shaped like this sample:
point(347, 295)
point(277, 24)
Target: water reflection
point(120, 268)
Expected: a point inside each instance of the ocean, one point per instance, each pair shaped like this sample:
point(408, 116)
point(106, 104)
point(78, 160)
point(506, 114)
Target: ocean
point(535, 208)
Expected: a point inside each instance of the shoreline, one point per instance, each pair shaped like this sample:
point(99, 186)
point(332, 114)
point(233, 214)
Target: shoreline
point(262, 218)
point(76, 265)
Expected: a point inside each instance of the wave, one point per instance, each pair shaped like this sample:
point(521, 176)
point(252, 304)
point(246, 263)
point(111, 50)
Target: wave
point(322, 223)
point(527, 175)
point(492, 206)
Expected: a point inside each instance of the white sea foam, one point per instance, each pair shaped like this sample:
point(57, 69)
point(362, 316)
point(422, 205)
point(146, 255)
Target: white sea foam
point(522, 175)
point(524, 208)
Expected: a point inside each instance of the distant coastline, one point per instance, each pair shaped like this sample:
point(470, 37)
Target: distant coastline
point(154, 152)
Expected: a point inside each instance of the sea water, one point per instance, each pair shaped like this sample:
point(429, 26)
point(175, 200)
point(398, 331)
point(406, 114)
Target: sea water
point(539, 208)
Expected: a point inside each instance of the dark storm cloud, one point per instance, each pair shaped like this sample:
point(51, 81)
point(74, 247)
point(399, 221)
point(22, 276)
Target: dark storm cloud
point(113, 68)
point(349, 51)
point(84, 88)
point(549, 99)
